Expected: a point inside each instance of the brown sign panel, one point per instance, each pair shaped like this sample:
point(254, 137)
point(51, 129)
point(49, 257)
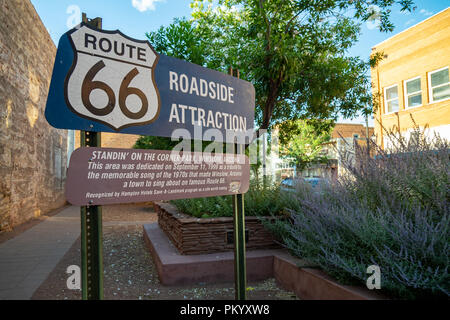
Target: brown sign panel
point(99, 176)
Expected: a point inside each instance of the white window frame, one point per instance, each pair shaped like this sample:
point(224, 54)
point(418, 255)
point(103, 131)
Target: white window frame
point(386, 100)
point(430, 89)
point(406, 92)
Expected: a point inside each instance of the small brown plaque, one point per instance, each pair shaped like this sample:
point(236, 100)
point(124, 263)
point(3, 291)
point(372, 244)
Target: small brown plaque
point(98, 176)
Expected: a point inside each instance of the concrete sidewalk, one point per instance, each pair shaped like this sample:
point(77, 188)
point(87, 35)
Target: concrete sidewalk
point(27, 259)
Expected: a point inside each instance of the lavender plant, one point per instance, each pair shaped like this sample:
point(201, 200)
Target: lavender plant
point(391, 210)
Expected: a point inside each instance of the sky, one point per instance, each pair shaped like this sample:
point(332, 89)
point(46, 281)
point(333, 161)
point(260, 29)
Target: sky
point(136, 17)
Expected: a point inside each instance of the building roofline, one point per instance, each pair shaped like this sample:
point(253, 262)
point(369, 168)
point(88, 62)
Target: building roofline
point(393, 36)
point(350, 124)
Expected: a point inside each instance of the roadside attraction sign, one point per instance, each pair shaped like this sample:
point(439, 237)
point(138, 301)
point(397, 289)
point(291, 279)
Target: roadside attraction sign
point(105, 81)
point(99, 176)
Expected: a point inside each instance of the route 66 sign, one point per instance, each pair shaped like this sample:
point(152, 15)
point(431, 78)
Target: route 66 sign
point(105, 81)
point(111, 80)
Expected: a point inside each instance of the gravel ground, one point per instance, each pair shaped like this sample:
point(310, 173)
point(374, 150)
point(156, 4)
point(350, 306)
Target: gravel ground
point(129, 271)
point(130, 213)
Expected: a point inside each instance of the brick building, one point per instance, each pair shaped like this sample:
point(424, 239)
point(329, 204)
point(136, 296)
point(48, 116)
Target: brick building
point(344, 137)
point(413, 79)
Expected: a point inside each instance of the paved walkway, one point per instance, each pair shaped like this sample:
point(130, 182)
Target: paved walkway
point(27, 259)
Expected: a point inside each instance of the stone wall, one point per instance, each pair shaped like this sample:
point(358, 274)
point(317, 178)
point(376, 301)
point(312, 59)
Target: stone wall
point(208, 235)
point(32, 154)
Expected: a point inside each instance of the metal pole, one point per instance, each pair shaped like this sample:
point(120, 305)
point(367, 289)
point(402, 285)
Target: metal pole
point(240, 274)
point(91, 223)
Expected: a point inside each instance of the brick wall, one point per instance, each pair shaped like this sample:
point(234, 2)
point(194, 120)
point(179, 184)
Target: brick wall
point(32, 154)
point(347, 130)
point(414, 52)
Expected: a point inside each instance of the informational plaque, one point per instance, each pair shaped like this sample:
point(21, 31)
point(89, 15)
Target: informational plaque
point(99, 176)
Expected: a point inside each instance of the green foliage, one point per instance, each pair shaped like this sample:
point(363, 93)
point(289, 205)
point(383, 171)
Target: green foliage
point(303, 139)
point(294, 52)
point(206, 207)
point(375, 58)
point(179, 40)
point(155, 143)
point(164, 143)
point(391, 211)
point(259, 201)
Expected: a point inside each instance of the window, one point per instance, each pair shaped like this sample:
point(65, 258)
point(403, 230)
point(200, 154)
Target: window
point(413, 93)
point(356, 136)
point(439, 85)
point(391, 99)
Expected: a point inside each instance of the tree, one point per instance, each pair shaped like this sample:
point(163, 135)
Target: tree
point(293, 51)
point(155, 143)
point(302, 140)
point(180, 40)
point(165, 143)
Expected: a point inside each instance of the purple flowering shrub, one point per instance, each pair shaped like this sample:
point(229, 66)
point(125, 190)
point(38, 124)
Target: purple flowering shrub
point(391, 210)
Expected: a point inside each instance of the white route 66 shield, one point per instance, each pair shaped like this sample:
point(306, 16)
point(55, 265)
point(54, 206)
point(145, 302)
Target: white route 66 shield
point(111, 80)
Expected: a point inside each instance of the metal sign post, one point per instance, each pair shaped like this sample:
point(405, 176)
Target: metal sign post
point(169, 94)
point(240, 269)
point(91, 224)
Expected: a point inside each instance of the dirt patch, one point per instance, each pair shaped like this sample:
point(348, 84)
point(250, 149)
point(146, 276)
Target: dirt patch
point(140, 212)
point(129, 271)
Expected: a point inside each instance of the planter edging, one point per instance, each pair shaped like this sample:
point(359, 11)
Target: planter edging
point(208, 235)
point(307, 283)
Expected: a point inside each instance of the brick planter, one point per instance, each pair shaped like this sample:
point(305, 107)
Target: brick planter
point(208, 235)
point(307, 283)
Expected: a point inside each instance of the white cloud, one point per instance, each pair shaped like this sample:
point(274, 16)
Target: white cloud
point(144, 5)
point(374, 19)
point(426, 12)
point(409, 22)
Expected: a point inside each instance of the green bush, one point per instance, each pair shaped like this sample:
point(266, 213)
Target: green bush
point(392, 211)
point(260, 200)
